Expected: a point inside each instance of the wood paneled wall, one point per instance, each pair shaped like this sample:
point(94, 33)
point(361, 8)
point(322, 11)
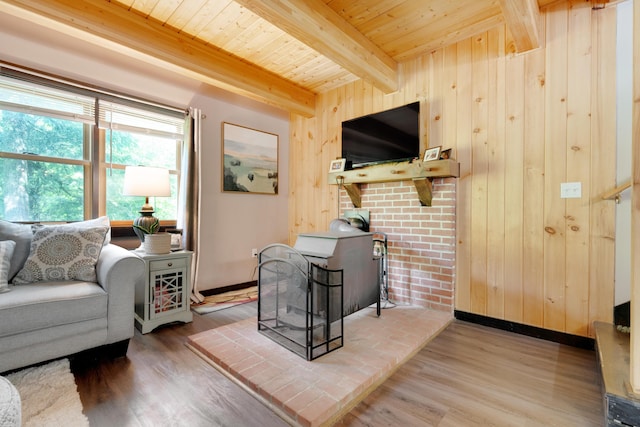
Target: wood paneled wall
point(520, 125)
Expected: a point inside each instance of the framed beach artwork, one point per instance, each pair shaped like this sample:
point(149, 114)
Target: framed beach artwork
point(250, 160)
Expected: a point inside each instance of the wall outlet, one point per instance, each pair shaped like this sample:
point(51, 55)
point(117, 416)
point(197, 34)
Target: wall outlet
point(254, 253)
point(571, 190)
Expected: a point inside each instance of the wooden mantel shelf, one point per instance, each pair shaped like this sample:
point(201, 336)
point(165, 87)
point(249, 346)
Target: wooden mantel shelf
point(421, 173)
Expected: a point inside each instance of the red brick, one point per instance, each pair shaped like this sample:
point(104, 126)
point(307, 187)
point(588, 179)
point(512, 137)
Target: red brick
point(422, 240)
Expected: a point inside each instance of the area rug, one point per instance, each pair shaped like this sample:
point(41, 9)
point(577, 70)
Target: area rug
point(224, 300)
point(320, 392)
point(49, 396)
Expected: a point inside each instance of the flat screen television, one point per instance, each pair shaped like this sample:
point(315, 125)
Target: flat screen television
point(388, 136)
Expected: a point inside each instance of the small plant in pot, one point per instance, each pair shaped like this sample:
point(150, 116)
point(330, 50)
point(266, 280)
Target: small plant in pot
point(152, 241)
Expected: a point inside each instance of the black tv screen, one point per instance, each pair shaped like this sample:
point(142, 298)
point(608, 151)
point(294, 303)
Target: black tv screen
point(387, 136)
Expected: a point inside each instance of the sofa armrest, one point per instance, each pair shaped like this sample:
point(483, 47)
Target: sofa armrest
point(119, 272)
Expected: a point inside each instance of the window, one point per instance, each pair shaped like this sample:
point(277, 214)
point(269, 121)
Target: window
point(63, 151)
point(135, 136)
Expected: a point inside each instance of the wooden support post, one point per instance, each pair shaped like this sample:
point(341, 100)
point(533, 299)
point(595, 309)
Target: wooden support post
point(353, 190)
point(424, 189)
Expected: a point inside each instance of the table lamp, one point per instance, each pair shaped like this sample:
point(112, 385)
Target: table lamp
point(148, 182)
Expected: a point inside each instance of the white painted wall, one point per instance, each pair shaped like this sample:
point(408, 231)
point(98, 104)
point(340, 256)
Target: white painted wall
point(233, 224)
point(33, 46)
point(624, 112)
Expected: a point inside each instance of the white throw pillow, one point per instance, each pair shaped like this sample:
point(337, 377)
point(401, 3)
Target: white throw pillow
point(6, 251)
point(62, 252)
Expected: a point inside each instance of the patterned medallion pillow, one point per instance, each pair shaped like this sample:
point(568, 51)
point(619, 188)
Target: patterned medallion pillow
point(6, 251)
point(22, 235)
point(102, 221)
point(62, 252)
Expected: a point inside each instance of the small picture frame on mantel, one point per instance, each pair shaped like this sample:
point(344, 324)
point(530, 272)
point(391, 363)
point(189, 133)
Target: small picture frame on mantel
point(445, 154)
point(337, 165)
point(432, 154)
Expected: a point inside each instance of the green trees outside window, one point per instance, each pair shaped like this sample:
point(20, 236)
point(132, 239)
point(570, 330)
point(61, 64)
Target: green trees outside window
point(56, 164)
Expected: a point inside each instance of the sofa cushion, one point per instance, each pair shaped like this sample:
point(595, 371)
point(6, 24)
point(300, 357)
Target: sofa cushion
point(62, 252)
point(50, 343)
point(6, 251)
point(47, 304)
point(21, 234)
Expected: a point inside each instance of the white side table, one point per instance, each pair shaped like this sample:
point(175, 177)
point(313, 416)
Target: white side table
point(164, 297)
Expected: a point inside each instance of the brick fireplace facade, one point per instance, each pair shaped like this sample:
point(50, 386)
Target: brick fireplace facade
point(421, 239)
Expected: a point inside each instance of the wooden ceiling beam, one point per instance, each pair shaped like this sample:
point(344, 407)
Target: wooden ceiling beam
point(523, 21)
point(108, 25)
point(319, 27)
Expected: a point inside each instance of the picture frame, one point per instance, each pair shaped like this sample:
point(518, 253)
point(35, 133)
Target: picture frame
point(176, 239)
point(249, 160)
point(432, 153)
point(445, 154)
point(337, 165)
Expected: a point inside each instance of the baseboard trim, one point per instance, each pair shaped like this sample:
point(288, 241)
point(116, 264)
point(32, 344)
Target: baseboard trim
point(216, 291)
point(531, 331)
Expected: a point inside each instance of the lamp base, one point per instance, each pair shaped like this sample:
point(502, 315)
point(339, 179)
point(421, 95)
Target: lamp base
point(145, 224)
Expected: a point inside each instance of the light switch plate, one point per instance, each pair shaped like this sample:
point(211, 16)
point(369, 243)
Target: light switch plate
point(570, 190)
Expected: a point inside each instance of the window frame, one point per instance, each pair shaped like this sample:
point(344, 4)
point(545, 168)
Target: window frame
point(94, 163)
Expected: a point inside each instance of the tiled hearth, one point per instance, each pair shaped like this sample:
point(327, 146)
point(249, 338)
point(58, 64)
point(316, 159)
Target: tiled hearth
point(319, 392)
point(422, 239)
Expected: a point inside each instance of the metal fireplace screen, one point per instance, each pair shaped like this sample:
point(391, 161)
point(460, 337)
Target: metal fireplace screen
point(299, 303)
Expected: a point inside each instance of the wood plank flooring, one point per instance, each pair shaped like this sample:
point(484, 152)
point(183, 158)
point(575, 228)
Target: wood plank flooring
point(469, 375)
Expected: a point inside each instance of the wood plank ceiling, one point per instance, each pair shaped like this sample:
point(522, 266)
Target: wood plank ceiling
point(282, 52)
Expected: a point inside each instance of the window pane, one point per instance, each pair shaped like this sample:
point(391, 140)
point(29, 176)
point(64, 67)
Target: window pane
point(41, 191)
point(126, 148)
point(56, 123)
point(121, 207)
point(45, 136)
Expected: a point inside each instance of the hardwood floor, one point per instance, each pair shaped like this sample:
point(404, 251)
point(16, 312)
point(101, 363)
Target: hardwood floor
point(469, 375)
point(472, 375)
point(163, 383)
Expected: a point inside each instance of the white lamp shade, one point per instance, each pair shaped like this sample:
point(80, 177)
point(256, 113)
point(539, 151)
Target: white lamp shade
point(146, 181)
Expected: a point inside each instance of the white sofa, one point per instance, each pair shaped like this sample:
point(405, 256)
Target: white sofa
point(48, 319)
